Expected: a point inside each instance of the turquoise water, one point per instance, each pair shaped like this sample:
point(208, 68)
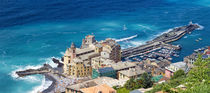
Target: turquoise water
point(32, 32)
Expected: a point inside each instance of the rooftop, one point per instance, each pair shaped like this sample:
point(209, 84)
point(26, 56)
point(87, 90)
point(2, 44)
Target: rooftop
point(99, 88)
point(105, 69)
point(94, 82)
point(132, 72)
point(180, 65)
point(123, 65)
point(84, 50)
point(88, 55)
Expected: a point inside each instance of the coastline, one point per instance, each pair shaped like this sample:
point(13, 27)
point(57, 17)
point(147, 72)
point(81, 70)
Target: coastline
point(52, 87)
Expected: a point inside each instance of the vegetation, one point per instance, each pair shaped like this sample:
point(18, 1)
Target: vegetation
point(196, 81)
point(144, 81)
point(122, 90)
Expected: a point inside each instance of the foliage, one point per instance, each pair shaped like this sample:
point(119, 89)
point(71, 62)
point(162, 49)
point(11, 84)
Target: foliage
point(146, 80)
point(179, 73)
point(199, 76)
point(130, 84)
point(122, 90)
point(196, 81)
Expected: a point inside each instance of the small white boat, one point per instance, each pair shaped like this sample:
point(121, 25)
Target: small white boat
point(124, 27)
point(197, 40)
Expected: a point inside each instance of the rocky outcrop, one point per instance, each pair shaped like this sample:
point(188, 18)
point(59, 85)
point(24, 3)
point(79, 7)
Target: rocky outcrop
point(45, 69)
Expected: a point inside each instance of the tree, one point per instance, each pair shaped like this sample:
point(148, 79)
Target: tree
point(196, 81)
point(130, 84)
point(199, 75)
point(178, 73)
point(146, 80)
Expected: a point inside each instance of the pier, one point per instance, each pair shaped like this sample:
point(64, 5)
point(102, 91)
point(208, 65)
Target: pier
point(45, 69)
point(161, 41)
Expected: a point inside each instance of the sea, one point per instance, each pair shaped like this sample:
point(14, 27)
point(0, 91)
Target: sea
point(34, 31)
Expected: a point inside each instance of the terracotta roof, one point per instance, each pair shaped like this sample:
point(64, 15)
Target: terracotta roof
point(99, 89)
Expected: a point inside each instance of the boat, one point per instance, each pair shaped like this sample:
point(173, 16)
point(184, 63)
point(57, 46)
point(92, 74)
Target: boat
point(124, 27)
point(197, 40)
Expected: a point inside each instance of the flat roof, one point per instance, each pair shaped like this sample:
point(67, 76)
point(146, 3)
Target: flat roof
point(132, 71)
point(122, 65)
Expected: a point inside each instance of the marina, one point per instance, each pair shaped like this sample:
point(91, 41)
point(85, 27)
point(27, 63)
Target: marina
point(161, 41)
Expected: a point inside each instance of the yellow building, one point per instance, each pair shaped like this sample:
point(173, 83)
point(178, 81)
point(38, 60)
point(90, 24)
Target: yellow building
point(79, 68)
point(77, 61)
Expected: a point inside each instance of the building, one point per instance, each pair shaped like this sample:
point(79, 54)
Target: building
point(169, 71)
point(78, 88)
point(100, 62)
point(79, 62)
point(205, 53)
point(89, 40)
point(130, 73)
point(79, 68)
point(123, 66)
point(191, 59)
point(111, 50)
point(99, 89)
point(106, 71)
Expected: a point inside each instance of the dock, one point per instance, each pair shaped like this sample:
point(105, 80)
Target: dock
point(161, 41)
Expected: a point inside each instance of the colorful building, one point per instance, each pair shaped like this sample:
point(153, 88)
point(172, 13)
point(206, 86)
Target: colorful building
point(78, 62)
point(106, 71)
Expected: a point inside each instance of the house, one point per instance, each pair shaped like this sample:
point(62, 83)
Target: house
point(169, 71)
point(130, 73)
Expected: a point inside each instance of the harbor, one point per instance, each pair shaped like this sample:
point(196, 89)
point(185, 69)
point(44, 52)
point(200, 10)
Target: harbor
point(160, 42)
point(156, 50)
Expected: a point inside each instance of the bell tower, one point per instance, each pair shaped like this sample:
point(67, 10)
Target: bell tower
point(73, 51)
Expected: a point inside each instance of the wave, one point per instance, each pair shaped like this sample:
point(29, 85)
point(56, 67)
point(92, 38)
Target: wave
point(62, 53)
point(49, 61)
point(125, 39)
point(34, 78)
point(27, 78)
point(44, 85)
point(145, 27)
point(201, 27)
point(132, 44)
point(166, 31)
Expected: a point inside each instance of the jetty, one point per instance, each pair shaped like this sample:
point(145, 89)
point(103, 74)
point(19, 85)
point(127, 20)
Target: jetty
point(46, 68)
point(161, 41)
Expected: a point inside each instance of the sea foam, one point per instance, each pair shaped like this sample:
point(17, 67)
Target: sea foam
point(125, 39)
point(201, 27)
point(44, 85)
point(33, 78)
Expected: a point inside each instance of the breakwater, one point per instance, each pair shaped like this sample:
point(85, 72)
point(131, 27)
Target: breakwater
point(161, 41)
